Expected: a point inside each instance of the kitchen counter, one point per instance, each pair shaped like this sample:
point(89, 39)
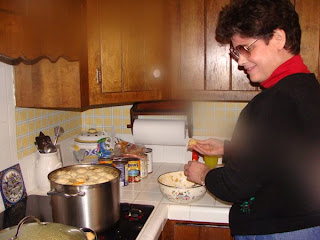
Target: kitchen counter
point(147, 191)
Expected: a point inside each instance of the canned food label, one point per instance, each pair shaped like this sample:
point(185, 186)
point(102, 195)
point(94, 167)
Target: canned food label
point(123, 167)
point(149, 160)
point(134, 171)
point(143, 168)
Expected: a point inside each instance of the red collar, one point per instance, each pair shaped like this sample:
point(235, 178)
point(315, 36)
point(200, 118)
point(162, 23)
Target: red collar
point(292, 66)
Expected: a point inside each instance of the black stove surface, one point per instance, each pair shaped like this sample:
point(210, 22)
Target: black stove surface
point(132, 217)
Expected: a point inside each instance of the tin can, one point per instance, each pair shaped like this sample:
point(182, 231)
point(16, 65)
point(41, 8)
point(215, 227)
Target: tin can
point(149, 160)
point(134, 170)
point(122, 165)
point(143, 166)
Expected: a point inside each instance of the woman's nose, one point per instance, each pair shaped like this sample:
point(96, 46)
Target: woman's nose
point(242, 60)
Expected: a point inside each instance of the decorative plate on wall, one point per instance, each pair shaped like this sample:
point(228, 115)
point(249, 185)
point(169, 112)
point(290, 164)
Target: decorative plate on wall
point(12, 186)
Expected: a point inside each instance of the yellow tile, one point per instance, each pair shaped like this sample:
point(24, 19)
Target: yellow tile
point(38, 123)
point(31, 114)
point(117, 122)
point(99, 122)
point(116, 111)
point(107, 111)
point(89, 121)
point(231, 105)
point(98, 112)
point(23, 115)
point(197, 132)
point(108, 122)
point(32, 126)
point(220, 105)
point(24, 142)
point(24, 129)
point(18, 130)
point(126, 131)
point(17, 116)
point(19, 144)
point(37, 113)
point(44, 123)
point(126, 112)
point(20, 155)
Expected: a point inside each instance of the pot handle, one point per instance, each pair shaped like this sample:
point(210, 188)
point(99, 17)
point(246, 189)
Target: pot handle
point(85, 230)
point(66, 195)
point(21, 223)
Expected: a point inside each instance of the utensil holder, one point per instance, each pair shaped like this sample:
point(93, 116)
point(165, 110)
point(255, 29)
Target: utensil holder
point(46, 163)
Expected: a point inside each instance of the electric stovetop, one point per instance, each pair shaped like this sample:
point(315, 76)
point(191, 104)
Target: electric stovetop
point(132, 217)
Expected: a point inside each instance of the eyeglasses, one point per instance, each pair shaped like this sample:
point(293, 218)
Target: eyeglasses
point(241, 50)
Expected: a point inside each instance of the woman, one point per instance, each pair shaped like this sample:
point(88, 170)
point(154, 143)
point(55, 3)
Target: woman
point(272, 163)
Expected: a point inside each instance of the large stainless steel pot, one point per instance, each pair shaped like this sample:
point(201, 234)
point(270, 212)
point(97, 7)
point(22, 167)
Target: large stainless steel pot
point(43, 230)
point(93, 206)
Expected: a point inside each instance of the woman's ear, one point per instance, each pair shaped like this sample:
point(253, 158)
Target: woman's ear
point(279, 37)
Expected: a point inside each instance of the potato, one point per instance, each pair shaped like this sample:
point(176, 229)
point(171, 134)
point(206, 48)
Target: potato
point(192, 142)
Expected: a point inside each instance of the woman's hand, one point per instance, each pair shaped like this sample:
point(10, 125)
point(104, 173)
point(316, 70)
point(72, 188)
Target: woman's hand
point(196, 172)
point(211, 146)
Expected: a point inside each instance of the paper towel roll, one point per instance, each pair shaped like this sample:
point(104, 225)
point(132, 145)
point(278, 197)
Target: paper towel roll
point(160, 132)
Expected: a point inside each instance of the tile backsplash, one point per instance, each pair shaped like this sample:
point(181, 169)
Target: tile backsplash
point(209, 119)
point(29, 123)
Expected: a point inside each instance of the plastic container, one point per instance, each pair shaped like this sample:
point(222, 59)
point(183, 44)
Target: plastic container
point(211, 161)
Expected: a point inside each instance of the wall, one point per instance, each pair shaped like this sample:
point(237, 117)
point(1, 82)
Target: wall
point(209, 119)
point(29, 123)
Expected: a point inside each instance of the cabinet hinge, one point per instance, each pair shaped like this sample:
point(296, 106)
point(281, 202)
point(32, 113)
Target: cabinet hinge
point(98, 75)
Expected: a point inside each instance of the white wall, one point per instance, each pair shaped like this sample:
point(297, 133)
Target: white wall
point(8, 145)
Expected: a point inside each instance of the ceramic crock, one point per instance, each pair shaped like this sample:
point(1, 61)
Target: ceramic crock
point(88, 140)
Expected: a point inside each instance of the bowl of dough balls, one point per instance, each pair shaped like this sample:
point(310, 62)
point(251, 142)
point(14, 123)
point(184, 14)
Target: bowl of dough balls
point(175, 187)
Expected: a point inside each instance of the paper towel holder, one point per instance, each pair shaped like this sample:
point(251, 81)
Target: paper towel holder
point(162, 108)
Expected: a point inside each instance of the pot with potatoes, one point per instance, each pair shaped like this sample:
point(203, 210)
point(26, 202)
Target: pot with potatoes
point(85, 195)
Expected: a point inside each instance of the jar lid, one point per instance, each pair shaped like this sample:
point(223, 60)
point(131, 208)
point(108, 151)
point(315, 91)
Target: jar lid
point(92, 136)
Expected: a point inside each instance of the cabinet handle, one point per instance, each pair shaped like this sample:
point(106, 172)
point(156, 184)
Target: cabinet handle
point(98, 75)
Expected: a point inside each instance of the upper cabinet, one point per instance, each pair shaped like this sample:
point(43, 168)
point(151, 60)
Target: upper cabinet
point(199, 64)
point(202, 68)
point(34, 29)
point(122, 60)
point(308, 11)
point(126, 50)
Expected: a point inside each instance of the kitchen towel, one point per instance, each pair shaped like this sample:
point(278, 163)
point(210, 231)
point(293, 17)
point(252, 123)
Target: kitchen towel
point(160, 132)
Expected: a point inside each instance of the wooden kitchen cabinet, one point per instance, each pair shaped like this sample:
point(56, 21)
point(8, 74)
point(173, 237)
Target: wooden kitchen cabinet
point(126, 50)
point(122, 60)
point(186, 230)
point(203, 70)
point(34, 29)
point(130, 51)
point(50, 85)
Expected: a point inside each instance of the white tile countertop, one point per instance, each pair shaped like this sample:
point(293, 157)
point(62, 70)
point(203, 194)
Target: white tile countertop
point(147, 191)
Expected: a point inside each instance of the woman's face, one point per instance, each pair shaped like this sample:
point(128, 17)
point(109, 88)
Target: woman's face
point(263, 59)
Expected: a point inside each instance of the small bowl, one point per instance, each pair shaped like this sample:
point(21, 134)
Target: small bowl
point(176, 188)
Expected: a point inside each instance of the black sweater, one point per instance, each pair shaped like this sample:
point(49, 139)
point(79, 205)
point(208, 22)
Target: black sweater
point(272, 163)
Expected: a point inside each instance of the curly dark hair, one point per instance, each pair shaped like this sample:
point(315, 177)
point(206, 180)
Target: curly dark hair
point(259, 19)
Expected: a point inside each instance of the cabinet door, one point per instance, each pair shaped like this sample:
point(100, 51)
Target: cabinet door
point(201, 66)
point(308, 11)
point(35, 29)
point(126, 54)
point(186, 230)
point(49, 85)
point(204, 68)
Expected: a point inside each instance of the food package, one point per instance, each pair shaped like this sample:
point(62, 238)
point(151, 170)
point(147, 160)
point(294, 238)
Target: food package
point(124, 148)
